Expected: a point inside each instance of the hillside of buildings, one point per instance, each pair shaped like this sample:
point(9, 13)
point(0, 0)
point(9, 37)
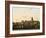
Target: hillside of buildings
point(31, 24)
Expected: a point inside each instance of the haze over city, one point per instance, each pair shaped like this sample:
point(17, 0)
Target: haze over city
point(25, 13)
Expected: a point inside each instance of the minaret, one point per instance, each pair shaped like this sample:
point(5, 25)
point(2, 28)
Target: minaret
point(32, 19)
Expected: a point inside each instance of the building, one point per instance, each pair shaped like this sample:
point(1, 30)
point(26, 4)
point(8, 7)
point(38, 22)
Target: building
point(27, 24)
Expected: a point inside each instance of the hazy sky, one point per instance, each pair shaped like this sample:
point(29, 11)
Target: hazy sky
point(25, 13)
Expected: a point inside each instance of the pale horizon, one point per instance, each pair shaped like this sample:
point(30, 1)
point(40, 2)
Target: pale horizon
point(25, 13)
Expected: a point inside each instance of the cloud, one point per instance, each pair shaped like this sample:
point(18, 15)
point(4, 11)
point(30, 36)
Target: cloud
point(25, 13)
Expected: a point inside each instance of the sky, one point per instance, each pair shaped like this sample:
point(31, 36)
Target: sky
point(25, 13)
